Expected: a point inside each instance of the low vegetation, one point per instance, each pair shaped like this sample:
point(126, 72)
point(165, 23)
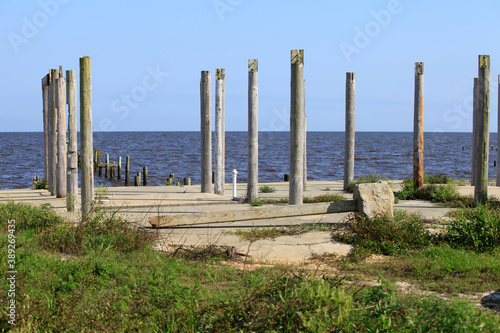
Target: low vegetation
point(362, 179)
point(267, 189)
point(254, 234)
point(329, 197)
point(103, 275)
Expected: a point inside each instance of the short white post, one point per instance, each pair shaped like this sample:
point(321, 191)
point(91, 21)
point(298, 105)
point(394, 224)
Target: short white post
point(235, 173)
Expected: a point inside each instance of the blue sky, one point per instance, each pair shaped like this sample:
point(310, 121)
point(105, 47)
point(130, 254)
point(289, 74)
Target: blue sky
point(147, 57)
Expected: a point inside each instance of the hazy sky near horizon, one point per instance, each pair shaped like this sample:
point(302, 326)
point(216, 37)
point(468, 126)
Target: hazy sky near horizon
point(147, 57)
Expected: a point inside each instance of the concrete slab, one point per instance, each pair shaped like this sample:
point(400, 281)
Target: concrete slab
point(138, 204)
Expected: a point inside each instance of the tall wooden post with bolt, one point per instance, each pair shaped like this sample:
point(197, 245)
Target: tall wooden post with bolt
point(52, 117)
point(73, 138)
point(45, 100)
point(474, 133)
point(219, 133)
point(87, 169)
point(483, 134)
point(418, 127)
point(297, 128)
point(253, 130)
point(206, 133)
point(62, 157)
point(350, 91)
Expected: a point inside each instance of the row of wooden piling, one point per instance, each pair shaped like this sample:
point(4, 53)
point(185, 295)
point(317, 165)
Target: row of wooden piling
point(61, 157)
point(298, 154)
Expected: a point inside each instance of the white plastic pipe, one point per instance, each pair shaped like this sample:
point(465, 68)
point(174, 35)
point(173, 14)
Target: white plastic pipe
point(235, 173)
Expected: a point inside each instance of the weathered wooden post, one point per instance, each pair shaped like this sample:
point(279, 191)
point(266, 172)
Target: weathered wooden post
point(206, 133)
point(305, 147)
point(498, 135)
point(418, 127)
point(474, 133)
point(350, 107)
point(119, 167)
point(73, 138)
point(62, 157)
point(253, 130)
point(297, 128)
point(138, 179)
point(45, 101)
point(86, 144)
point(483, 137)
point(219, 137)
point(54, 74)
point(145, 179)
point(187, 181)
point(127, 170)
point(107, 173)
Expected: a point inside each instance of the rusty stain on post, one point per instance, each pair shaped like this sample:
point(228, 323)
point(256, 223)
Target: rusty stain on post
point(418, 127)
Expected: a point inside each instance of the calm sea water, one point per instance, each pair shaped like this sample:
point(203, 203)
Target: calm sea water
point(387, 153)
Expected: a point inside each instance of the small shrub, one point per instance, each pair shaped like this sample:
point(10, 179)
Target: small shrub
point(101, 233)
point(256, 202)
point(266, 189)
point(329, 197)
point(436, 178)
point(41, 184)
point(370, 178)
point(383, 234)
point(475, 229)
point(29, 217)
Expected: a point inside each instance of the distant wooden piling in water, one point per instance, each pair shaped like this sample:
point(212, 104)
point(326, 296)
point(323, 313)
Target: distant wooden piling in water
point(107, 173)
point(45, 111)
point(54, 74)
point(219, 136)
point(145, 173)
point(296, 186)
point(474, 132)
point(86, 143)
point(418, 127)
point(119, 167)
point(127, 170)
point(206, 133)
point(253, 130)
point(350, 100)
point(137, 179)
point(72, 175)
point(62, 157)
point(483, 135)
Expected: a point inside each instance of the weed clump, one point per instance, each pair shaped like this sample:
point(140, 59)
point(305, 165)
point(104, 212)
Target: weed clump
point(370, 178)
point(267, 189)
point(475, 229)
point(101, 233)
point(385, 235)
point(29, 217)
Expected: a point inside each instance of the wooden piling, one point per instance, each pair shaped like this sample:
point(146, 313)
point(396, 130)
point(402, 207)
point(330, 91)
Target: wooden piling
point(119, 167)
point(145, 173)
point(62, 157)
point(350, 107)
point(107, 172)
point(45, 101)
point(54, 74)
point(219, 144)
point(86, 144)
point(253, 130)
point(297, 128)
point(474, 132)
point(418, 127)
point(483, 135)
point(72, 179)
point(498, 134)
point(206, 133)
point(187, 181)
point(127, 170)
point(138, 179)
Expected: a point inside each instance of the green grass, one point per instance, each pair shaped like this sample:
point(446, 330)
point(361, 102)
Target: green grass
point(436, 178)
point(267, 189)
point(362, 179)
point(445, 194)
point(329, 197)
point(41, 184)
point(120, 289)
point(384, 234)
point(255, 234)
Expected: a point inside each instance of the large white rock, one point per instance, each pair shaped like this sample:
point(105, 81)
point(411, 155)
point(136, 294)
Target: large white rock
point(374, 199)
